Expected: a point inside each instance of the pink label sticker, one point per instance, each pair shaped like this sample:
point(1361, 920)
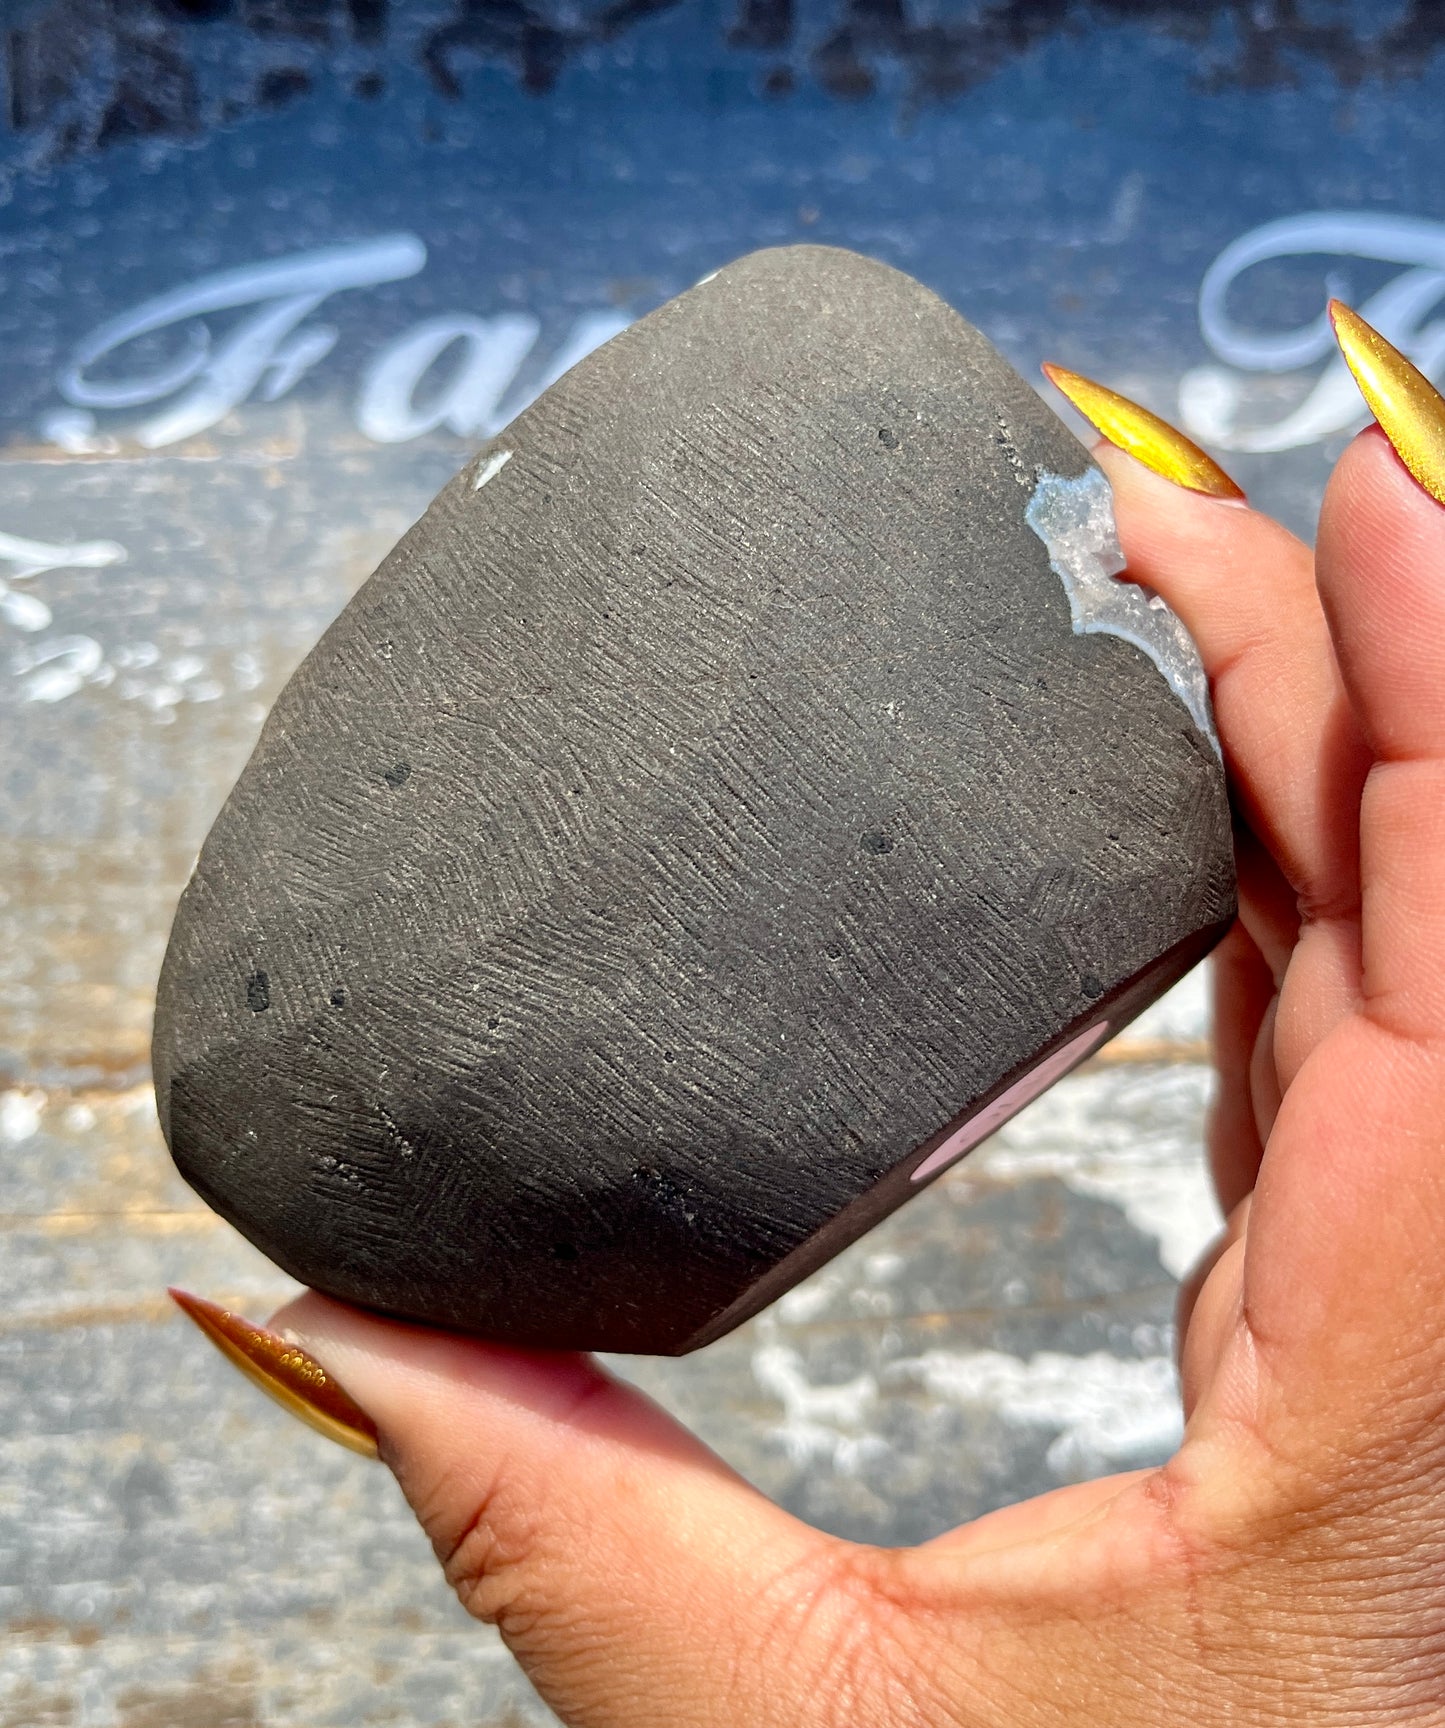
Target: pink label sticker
point(1023, 1091)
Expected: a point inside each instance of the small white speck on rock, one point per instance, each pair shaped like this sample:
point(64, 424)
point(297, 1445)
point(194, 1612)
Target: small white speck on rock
point(490, 469)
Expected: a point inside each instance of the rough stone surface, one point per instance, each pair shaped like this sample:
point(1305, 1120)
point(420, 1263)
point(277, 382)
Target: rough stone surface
point(699, 811)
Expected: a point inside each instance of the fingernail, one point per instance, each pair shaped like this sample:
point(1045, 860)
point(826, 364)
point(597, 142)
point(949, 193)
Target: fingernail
point(1410, 410)
point(1152, 441)
point(294, 1379)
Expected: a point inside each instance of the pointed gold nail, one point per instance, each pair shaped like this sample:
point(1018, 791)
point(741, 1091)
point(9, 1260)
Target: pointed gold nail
point(1153, 441)
point(294, 1379)
point(1410, 410)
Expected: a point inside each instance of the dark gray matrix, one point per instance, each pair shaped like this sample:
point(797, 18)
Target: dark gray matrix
point(705, 804)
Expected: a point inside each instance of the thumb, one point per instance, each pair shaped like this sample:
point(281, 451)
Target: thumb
point(636, 1578)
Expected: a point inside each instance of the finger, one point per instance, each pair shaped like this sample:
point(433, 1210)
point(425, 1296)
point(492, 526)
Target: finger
point(1265, 1091)
point(1243, 989)
point(1382, 578)
point(1208, 1311)
point(1245, 589)
point(1343, 1283)
point(636, 1578)
point(1268, 905)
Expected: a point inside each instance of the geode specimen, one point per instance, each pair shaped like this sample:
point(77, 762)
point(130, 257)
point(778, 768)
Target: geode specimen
point(745, 786)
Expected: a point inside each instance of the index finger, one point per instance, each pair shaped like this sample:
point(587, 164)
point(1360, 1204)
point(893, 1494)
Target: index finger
point(1245, 588)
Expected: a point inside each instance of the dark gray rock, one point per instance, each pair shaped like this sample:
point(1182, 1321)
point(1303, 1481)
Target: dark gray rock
point(735, 781)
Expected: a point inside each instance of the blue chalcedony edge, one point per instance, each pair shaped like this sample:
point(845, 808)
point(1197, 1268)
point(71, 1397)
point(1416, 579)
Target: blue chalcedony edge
point(1075, 521)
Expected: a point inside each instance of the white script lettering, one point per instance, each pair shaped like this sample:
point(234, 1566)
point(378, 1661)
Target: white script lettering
point(472, 403)
point(491, 351)
point(1215, 401)
point(29, 558)
point(454, 371)
point(264, 349)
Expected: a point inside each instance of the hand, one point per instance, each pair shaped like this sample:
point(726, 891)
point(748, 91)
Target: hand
point(1288, 1564)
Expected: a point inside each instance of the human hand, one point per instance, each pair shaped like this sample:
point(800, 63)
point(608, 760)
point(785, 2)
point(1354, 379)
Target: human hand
point(1286, 1564)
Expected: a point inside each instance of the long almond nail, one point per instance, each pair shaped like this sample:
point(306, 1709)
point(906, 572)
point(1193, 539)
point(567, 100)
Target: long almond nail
point(294, 1379)
point(1152, 441)
point(1410, 410)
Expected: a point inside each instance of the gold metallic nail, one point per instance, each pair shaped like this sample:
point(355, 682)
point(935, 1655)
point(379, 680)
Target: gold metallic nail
point(295, 1380)
point(1411, 411)
point(1153, 441)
